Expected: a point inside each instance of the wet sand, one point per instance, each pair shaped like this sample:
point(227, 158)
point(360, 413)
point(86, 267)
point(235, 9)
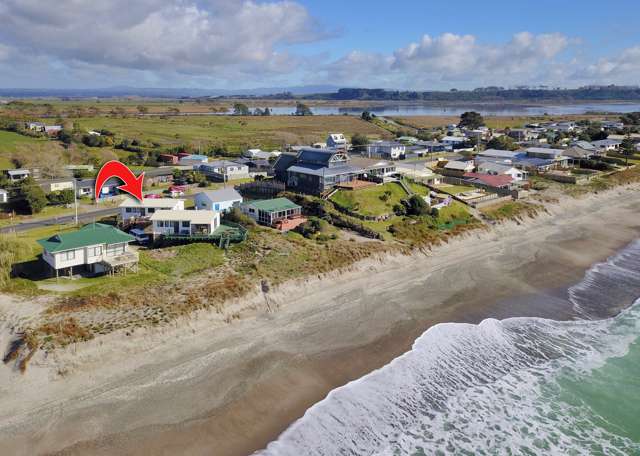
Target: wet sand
point(229, 390)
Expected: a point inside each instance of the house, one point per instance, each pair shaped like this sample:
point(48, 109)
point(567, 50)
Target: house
point(16, 175)
point(35, 126)
point(4, 196)
point(132, 208)
point(317, 170)
point(56, 185)
point(373, 167)
point(488, 180)
point(611, 125)
point(548, 154)
point(433, 146)
point(218, 200)
point(496, 154)
point(86, 187)
point(523, 134)
point(52, 130)
point(386, 149)
point(280, 213)
point(224, 170)
point(168, 158)
point(418, 171)
point(607, 145)
point(96, 248)
point(458, 168)
point(260, 154)
point(181, 222)
point(337, 141)
point(455, 142)
point(192, 159)
point(498, 169)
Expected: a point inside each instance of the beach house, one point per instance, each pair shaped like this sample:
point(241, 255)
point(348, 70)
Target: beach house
point(386, 149)
point(224, 170)
point(133, 209)
point(95, 248)
point(279, 213)
point(185, 223)
point(218, 200)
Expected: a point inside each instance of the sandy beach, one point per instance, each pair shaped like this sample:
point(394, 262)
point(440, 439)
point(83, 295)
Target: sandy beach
point(199, 386)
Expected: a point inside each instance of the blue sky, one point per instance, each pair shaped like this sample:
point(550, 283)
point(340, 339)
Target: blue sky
point(409, 44)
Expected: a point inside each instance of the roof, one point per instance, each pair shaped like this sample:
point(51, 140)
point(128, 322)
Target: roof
point(274, 205)
point(577, 152)
point(544, 150)
point(489, 179)
point(284, 161)
point(151, 202)
point(458, 165)
point(195, 217)
point(18, 171)
point(221, 164)
point(495, 167)
point(606, 142)
point(317, 170)
point(498, 153)
point(387, 144)
point(316, 155)
point(453, 139)
point(586, 145)
point(88, 235)
point(224, 194)
point(195, 157)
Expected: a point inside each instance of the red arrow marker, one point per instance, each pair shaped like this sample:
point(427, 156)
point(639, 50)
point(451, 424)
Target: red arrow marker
point(114, 168)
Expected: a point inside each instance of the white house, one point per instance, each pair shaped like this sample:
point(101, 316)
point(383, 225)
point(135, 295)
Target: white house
point(131, 208)
point(607, 145)
point(56, 185)
point(193, 159)
point(96, 247)
point(4, 196)
point(224, 170)
point(185, 223)
point(261, 154)
point(337, 141)
point(217, 200)
point(460, 166)
point(497, 169)
point(453, 141)
point(386, 149)
point(16, 175)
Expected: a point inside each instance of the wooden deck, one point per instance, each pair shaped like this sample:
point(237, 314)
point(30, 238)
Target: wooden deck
point(355, 185)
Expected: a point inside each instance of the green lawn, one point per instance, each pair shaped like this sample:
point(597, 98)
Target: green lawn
point(233, 132)
point(455, 189)
point(10, 142)
point(372, 201)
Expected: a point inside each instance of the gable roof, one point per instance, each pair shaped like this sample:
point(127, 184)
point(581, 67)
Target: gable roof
point(490, 179)
point(151, 202)
point(274, 205)
point(196, 217)
point(224, 194)
point(88, 235)
point(495, 167)
point(458, 165)
point(497, 153)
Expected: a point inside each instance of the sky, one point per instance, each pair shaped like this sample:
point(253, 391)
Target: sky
point(239, 44)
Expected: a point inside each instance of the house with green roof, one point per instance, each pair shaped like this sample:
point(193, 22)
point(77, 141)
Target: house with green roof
point(95, 248)
point(280, 213)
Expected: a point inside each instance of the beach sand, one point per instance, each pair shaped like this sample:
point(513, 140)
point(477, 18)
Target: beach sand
point(201, 387)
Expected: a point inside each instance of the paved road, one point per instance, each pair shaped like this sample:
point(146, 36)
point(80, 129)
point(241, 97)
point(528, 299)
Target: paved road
point(82, 217)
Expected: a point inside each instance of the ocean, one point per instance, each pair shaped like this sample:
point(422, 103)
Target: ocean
point(519, 386)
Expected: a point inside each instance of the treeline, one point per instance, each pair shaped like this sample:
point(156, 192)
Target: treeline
point(488, 94)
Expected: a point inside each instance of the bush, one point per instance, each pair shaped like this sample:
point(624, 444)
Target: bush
point(235, 215)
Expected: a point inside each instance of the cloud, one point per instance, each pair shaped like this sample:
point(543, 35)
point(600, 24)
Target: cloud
point(219, 38)
point(623, 68)
point(456, 59)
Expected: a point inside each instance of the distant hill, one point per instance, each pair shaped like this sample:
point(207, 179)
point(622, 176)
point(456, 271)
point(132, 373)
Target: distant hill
point(115, 92)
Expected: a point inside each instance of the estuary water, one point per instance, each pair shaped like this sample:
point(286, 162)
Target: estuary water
point(520, 386)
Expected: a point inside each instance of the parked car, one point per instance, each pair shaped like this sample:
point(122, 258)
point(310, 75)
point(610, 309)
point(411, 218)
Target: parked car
point(140, 236)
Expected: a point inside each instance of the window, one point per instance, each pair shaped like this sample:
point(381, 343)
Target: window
point(185, 224)
point(128, 209)
point(69, 255)
point(95, 251)
point(151, 210)
point(217, 207)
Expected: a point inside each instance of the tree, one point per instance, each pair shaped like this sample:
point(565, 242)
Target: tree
point(628, 148)
point(241, 109)
point(359, 141)
point(303, 110)
point(266, 112)
point(502, 143)
point(471, 120)
point(416, 205)
point(31, 196)
point(61, 197)
point(366, 116)
point(258, 112)
point(142, 109)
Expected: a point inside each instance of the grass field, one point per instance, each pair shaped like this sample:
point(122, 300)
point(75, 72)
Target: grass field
point(455, 189)
point(11, 142)
point(373, 201)
point(233, 132)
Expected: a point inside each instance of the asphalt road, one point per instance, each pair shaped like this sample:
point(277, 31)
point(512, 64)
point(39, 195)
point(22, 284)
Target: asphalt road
point(82, 217)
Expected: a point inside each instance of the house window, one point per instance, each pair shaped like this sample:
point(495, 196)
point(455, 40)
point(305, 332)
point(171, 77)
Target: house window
point(69, 255)
point(185, 224)
point(95, 251)
point(128, 209)
point(151, 210)
point(217, 207)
